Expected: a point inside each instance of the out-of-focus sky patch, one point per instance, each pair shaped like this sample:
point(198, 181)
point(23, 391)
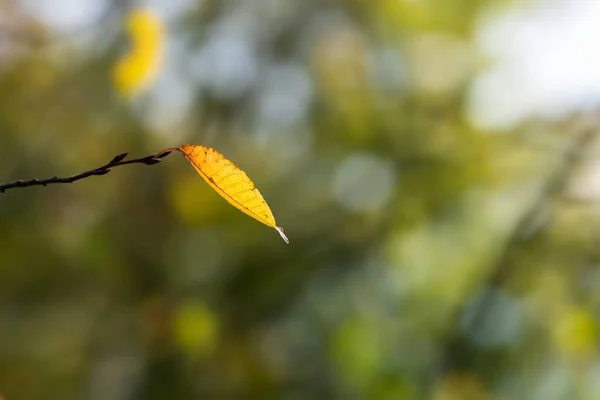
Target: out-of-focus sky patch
point(77, 23)
point(226, 66)
point(285, 96)
point(171, 96)
point(172, 9)
point(282, 103)
point(439, 62)
point(363, 182)
point(72, 16)
point(66, 16)
point(544, 59)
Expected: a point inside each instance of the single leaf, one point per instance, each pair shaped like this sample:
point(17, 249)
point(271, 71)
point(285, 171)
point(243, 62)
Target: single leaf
point(230, 182)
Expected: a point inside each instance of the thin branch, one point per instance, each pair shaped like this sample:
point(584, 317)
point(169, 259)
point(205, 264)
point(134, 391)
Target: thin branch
point(117, 161)
point(453, 348)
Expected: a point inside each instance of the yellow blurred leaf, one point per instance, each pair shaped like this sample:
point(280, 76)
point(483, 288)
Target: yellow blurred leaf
point(575, 333)
point(230, 182)
point(196, 328)
point(138, 68)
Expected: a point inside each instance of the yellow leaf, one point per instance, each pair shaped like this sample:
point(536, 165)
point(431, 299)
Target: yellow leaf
point(230, 182)
point(139, 67)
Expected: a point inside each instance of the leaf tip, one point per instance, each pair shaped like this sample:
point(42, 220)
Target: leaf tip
point(280, 230)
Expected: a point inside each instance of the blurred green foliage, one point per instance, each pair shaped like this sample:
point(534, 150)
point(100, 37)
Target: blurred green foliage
point(349, 117)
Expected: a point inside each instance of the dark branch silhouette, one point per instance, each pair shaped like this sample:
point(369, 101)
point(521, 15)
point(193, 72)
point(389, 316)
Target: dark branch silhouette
point(453, 350)
point(117, 161)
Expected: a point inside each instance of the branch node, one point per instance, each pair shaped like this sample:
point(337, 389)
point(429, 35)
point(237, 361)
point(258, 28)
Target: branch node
point(118, 157)
point(152, 161)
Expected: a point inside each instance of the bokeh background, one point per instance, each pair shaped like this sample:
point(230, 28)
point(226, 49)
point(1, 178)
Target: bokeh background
point(434, 164)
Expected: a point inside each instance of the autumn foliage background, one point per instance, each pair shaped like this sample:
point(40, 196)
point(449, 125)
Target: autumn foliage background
point(439, 249)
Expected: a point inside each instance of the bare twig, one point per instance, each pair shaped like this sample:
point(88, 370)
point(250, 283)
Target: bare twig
point(117, 161)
